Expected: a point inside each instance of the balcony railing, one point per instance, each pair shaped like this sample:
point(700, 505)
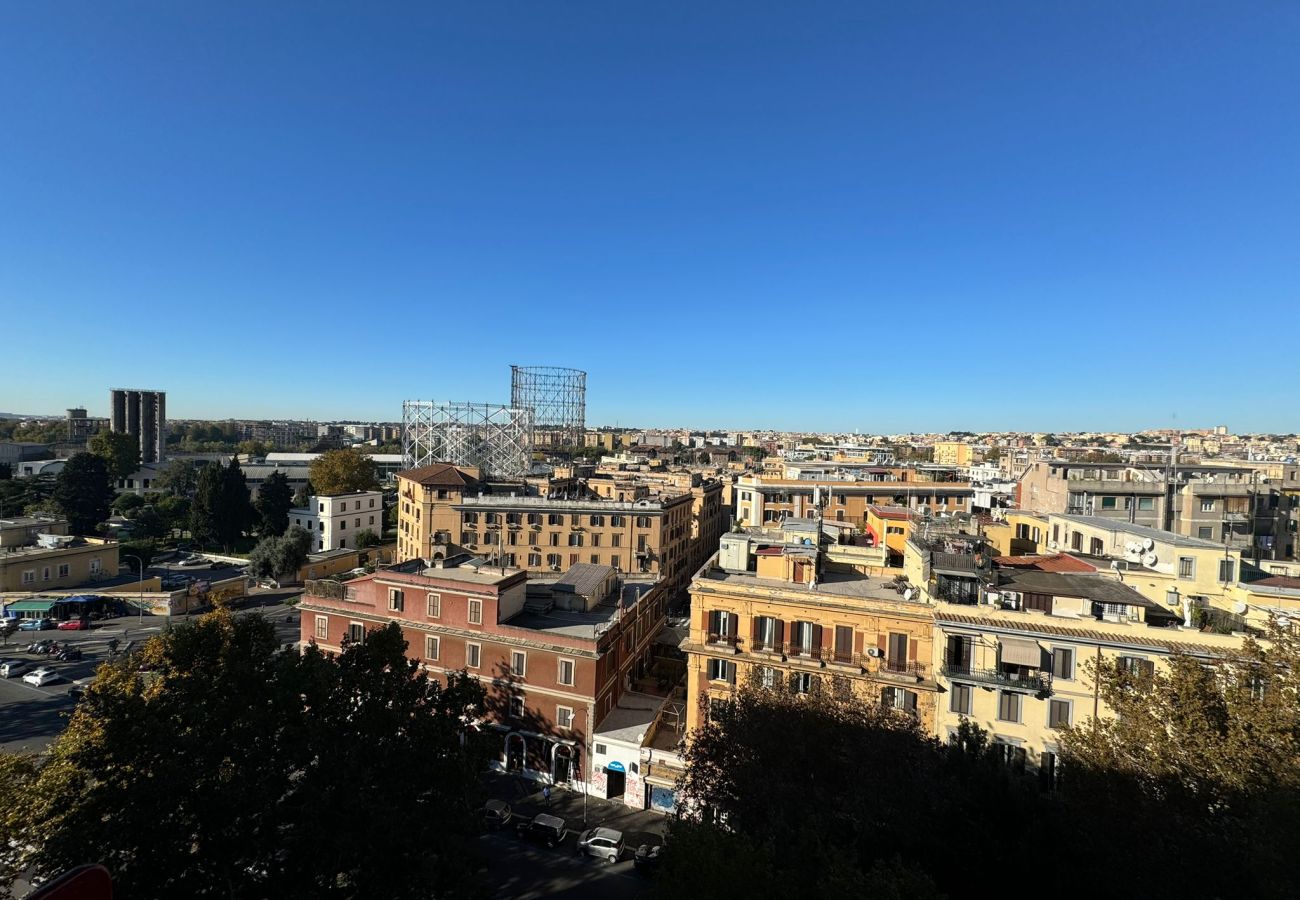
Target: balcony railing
point(1036, 682)
point(902, 667)
point(728, 640)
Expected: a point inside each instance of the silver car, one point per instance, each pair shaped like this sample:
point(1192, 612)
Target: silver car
point(603, 843)
point(11, 667)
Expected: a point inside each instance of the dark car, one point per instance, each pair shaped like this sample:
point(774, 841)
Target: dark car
point(496, 813)
point(544, 829)
point(646, 859)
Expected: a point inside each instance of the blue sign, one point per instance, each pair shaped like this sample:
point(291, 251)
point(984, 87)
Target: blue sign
point(615, 767)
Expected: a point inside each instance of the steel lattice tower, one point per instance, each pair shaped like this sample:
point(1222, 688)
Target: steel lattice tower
point(497, 439)
point(557, 397)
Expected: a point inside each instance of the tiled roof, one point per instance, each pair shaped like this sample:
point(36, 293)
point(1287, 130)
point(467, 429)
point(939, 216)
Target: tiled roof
point(1278, 581)
point(1060, 562)
point(1036, 626)
point(438, 475)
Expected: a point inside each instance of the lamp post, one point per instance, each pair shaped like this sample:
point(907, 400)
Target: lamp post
point(140, 562)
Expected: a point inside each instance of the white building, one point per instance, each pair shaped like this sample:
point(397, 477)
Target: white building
point(335, 520)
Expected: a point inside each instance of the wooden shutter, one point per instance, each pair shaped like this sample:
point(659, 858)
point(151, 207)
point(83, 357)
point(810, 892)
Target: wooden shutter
point(779, 633)
point(816, 638)
point(755, 631)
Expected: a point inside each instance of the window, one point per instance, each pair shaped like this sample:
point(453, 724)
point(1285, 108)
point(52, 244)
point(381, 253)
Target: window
point(322, 627)
point(597, 521)
point(1010, 755)
point(372, 501)
point(1186, 567)
point(898, 698)
point(595, 540)
point(372, 520)
point(1058, 714)
point(517, 707)
point(843, 643)
point(29, 576)
point(616, 540)
point(1107, 502)
point(1205, 532)
point(472, 655)
point(1146, 504)
point(356, 632)
point(804, 682)
point(396, 600)
point(766, 676)
point(433, 606)
point(642, 521)
point(1137, 666)
point(343, 524)
point(1062, 663)
point(518, 663)
point(722, 624)
point(357, 523)
point(1009, 706)
point(803, 638)
point(766, 633)
point(555, 539)
point(45, 574)
point(566, 672)
point(431, 646)
point(595, 559)
point(476, 612)
point(1207, 506)
point(564, 717)
point(601, 750)
point(534, 560)
point(1048, 777)
point(1096, 547)
point(1225, 570)
point(722, 670)
point(63, 570)
point(960, 698)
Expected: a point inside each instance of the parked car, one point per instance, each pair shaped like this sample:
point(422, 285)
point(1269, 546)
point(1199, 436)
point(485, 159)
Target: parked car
point(496, 813)
point(193, 560)
point(35, 624)
point(77, 692)
point(544, 829)
point(41, 676)
point(11, 667)
point(603, 843)
point(74, 625)
point(646, 860)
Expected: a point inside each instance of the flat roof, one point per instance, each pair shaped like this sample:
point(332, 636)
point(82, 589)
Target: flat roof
point(1143, 531)
point(1076, 584)
point(631, 718)
point(831, 584)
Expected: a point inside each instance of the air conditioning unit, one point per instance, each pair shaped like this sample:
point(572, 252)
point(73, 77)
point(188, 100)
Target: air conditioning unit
point(1053, 545)
point(555, 568)
point(875, 652)
point(1011, 599)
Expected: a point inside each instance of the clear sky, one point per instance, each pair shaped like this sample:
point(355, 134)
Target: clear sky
point(877, 216)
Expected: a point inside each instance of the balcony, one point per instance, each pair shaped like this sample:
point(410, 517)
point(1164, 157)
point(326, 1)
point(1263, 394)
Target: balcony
point(901, 669)
point(723, 642)
point(1033, 682)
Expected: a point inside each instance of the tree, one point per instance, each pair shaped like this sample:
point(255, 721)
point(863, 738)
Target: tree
point(252, 771)
point(174, 510)
point(280, 556)
point(302, 497)
point(119, 450)
point(180, 478)
point(366, 538)
point(252, 448)
point(1204, 759)
point(221, 509)
point(146, 522)
point(126, 503)
point(83, 492)
point(343, 471)
point(274, 500)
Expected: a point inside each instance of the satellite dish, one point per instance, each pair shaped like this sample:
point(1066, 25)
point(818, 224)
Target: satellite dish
point(1149, 560)
point(1148, 544)
point(1240, 607)
point(909, 593)
point(1052, 545)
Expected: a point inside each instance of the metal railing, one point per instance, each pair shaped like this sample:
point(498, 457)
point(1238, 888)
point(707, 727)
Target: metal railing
point(1038, 682)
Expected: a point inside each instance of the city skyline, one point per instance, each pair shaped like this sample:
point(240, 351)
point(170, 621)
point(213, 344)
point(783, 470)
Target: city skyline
point(1041, 219)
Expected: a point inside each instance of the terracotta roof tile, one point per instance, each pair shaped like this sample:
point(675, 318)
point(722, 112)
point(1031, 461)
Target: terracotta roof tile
point(1278, 581)
point(1036, 625)
point(1060, 562)
point(438, 475)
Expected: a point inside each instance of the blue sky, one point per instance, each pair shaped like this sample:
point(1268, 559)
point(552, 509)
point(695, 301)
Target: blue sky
point(881, 216)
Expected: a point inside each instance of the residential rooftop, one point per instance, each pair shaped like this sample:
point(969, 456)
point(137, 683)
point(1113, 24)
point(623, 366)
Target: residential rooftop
point(830, 585)
point(1142, 531)
point(577, 624)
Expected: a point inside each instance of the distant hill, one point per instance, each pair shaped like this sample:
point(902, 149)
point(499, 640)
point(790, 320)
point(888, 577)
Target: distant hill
point(5, 415)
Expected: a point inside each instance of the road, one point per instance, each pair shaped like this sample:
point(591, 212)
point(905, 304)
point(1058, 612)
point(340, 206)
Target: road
point(31, 717)
point(524, 871)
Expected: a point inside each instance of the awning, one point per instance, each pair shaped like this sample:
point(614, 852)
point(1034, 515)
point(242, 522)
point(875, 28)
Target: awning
point(1022, 653)
point(30, 606)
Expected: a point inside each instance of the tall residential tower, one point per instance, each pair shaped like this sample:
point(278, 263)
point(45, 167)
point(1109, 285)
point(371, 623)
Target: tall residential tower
point(142, 414)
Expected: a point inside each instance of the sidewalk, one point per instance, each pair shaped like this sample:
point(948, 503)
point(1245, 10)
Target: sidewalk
point(525, 799)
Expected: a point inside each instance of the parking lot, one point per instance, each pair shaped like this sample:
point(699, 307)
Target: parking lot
point(31, 716)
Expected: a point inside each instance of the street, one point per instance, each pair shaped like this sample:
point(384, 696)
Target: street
point(31, 717)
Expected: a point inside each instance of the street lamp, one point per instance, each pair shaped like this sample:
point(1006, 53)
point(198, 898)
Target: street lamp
point(141, 582)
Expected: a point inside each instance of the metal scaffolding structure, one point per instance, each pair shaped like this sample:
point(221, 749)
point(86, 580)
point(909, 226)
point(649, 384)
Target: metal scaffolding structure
point(557, 397)
point(497, 439)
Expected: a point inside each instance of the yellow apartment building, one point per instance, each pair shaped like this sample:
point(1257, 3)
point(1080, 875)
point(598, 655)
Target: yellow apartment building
point(952, 453)
point(766, 607)
point(71, 563)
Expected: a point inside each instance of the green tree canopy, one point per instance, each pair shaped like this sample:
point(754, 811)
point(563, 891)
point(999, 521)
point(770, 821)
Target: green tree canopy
point(119, 450)
point(280, 556)
point(366, 538)
point(221, 510)
point(180, 478)
point(343, 471)
point(235, 769)
point(83, 492)
point(274, 500)
point(125, 503)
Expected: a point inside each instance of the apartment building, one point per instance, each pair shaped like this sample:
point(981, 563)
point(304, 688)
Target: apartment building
point(1010, 654)
point(335, 520)
point(554, 657)
point(771, 607)
point(764, 501)
point(143, 415)
point(636, 526)
point(952, 453)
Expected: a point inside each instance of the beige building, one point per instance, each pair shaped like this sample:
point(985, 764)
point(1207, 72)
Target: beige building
point(775, 609)
point(646, 526)
point(952, 453)
point(67, 562)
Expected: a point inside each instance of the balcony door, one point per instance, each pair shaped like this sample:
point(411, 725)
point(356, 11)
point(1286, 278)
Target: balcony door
point(897, 655)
